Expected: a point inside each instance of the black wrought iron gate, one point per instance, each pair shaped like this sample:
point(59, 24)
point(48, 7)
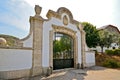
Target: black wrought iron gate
point(63, 51)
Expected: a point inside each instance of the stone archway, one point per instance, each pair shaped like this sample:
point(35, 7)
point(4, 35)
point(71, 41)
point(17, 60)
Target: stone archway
point(43, 32)
point(70, 33)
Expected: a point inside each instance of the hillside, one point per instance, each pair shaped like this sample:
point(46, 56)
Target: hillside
point(11, 40)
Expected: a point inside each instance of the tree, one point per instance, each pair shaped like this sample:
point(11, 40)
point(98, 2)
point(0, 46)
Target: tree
point(92, 35)
point(119, 42)
point(116, 39)
point(106, 38)
point(62, 45)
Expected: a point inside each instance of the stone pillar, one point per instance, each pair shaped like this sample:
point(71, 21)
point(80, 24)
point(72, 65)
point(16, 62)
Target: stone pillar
point(36, 23)
point(75, 52)
point(83, 49)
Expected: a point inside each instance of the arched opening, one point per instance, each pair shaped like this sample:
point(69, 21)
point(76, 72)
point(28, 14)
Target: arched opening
point(63, 51)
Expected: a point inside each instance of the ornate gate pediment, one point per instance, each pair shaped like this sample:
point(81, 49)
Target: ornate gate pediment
point(64, 30)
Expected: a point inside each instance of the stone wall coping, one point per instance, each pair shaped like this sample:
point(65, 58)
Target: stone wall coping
point(23, 48)
point(90, 51)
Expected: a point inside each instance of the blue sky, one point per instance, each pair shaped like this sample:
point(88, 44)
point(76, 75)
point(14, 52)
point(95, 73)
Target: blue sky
point(14, 14)
point(14, 17)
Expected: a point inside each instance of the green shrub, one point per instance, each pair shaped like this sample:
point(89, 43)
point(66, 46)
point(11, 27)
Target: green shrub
point(113, 52)
point(117, 52)
point(109, 52)
point(111, 63)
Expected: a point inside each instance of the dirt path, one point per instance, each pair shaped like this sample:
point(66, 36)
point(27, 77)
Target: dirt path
point(101, 73)
point(93, 73)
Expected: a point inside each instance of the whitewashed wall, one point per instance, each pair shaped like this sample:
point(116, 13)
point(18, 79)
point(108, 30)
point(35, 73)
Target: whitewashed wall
point(47, 27)
point(15, 59)
point(28, 42)
point(90, 58)
point(98, 48)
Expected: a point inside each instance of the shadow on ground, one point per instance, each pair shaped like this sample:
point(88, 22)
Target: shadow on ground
point(66, 75)
point(95, 68)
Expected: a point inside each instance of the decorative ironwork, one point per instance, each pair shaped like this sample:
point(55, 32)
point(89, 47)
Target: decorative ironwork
point(63, 51)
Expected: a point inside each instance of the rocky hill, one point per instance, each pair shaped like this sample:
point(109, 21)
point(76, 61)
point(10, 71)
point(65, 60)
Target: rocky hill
point(11, 40)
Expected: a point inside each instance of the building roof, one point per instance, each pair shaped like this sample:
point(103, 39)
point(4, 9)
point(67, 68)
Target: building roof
point(107, 26)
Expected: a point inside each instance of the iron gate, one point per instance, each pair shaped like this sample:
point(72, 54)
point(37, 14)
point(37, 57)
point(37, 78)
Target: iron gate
point(63, 51)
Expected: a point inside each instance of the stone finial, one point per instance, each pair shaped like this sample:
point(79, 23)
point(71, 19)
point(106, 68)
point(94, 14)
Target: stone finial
point(81, 26)
point(37, 10)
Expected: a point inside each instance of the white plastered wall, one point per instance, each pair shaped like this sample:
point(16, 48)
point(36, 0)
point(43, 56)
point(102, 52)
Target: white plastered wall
point(28, 42)
point(47, 27)
point(90, 58)
point(15, 59)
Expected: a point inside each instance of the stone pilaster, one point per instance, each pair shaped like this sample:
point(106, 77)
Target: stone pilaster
point(75, 51)
point(83, 49)
point(36, 23)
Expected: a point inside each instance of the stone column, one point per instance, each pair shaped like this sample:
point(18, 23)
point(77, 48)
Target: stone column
point(83, 49)
point(36, 23)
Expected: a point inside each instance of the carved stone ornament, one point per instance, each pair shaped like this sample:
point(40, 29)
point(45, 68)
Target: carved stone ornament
point(65, 20)
point(37, 10)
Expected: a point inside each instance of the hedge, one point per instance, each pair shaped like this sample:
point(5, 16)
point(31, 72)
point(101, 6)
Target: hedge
point(113, 52)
